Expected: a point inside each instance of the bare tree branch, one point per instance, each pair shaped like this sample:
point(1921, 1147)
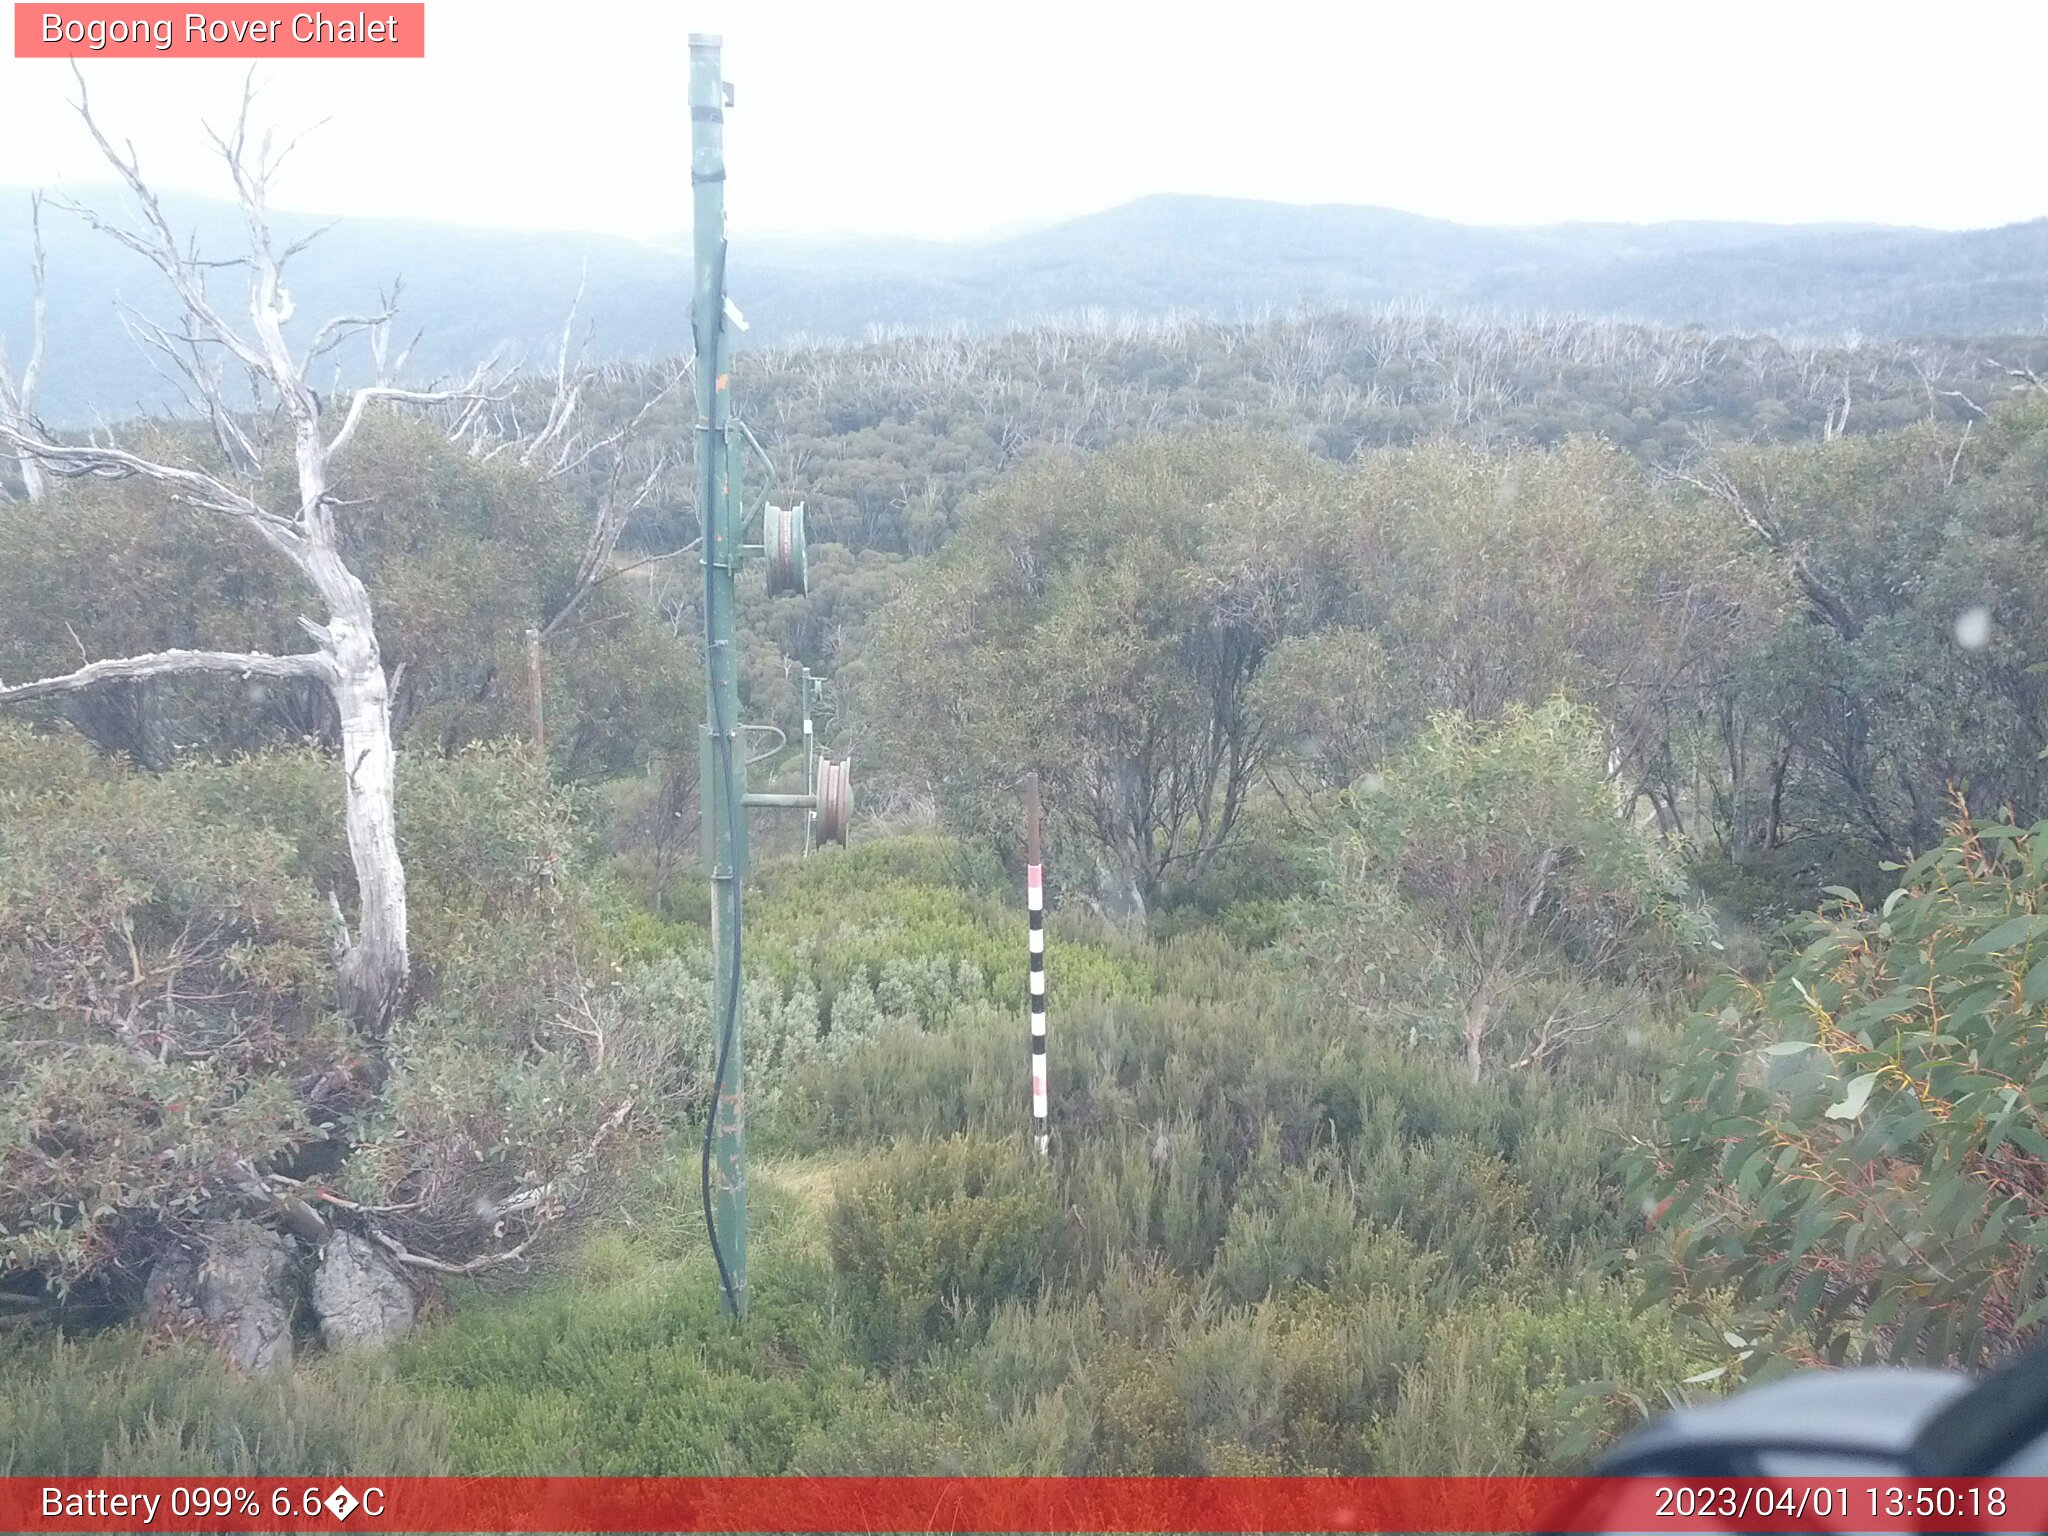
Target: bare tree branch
point(342, 327)
point(613, 513)
point(17, 399)
point(159, 246)
point(568, 389)
point(197, 378)
point(546, 1203)
point(168, 663)
point(99, 461)
point(646, 560)
point(305, 1222)
point(32, 370)
point(476, 391)
point(1717, 485)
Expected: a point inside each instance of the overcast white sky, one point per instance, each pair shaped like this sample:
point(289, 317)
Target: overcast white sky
point(950, 119)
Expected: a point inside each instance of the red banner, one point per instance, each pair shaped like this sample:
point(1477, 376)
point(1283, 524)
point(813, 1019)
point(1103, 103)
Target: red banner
point(1021, 1504)
point(236, 31)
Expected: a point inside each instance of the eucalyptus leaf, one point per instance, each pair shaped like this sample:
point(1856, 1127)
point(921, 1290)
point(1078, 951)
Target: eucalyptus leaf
point(1855, 1098)
point(2034, 990)
point(2008, 934)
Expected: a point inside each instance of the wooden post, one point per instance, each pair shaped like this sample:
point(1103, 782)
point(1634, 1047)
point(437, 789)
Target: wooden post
point(535, 724)
point(1034, 906)
point(810, 760)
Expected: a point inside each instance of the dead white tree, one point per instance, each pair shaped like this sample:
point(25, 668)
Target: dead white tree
point(280, 407)
point(545, 436)
point(17, 395)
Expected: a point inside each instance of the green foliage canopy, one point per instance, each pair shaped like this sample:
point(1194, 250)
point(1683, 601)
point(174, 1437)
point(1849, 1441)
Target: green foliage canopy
point(461, 558)
point(1105, 623)
point(1856, 1146)
point(1507, 842)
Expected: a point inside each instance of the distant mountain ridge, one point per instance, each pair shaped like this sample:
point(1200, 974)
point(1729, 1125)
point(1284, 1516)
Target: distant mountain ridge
point(478, 289)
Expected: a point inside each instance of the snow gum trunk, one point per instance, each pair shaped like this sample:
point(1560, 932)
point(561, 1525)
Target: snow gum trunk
point(375, 965)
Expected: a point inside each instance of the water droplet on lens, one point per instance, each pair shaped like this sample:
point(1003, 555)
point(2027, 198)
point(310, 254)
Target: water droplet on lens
point(1973, 628)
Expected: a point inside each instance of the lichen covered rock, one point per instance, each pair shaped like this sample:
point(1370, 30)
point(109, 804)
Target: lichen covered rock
point(245, 1286)
point(359, 1299)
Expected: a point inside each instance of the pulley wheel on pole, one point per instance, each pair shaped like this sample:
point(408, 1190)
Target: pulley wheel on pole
point(782, 541)
point(835, 800)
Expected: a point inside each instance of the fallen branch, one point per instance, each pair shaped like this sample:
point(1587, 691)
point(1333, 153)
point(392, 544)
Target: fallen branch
point(540, 1200)
point(403, 1255)
point(327, 1197)
point(305, 1223)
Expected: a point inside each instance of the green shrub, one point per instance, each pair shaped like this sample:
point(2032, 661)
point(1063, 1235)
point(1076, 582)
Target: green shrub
point(876, 1436)
point(908, 1083)
point(1289, 1389)
point(1529, 886)
point(930, 1238)
point(640, 1375)
point(1032, 1349)
point(120, 1406)
point(1310, 1234)
point(1852, 1144)
point(166, 992)
point(1141, 1421)
point(1247, 895)
point(1534, 1386)
point(502, 1079)
point(163, 980)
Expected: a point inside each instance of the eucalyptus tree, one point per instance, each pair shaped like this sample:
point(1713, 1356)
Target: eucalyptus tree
point(244, 377)
point(1107, 622)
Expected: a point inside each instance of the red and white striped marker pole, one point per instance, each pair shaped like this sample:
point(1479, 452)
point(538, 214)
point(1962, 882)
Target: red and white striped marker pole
point(1034, 904)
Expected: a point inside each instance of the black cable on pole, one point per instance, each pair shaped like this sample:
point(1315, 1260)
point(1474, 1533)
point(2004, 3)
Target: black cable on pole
point(722, 740)
point(730, 1011)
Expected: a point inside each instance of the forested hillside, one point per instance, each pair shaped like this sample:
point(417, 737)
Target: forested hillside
point(1217, 258)
point(1439, 723)
point(1836, 468)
